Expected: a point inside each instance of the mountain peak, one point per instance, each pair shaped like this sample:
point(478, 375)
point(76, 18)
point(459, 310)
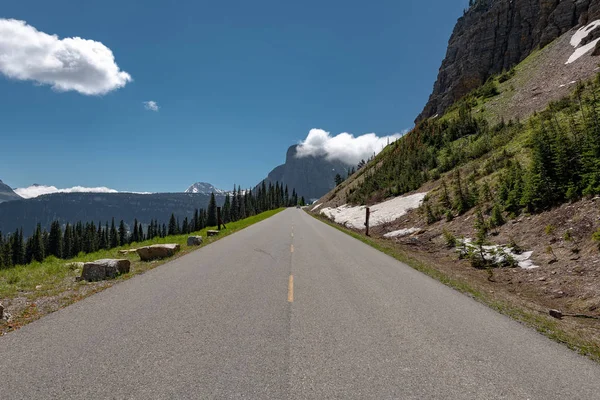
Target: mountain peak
point(204, 188)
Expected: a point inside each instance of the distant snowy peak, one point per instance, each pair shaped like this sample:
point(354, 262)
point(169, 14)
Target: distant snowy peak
point(204, 188)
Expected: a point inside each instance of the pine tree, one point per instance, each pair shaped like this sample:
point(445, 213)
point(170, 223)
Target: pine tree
point(212, 211)
point(106, 238)
point(338, 179)
point(68, 242)
point(445, 197)
point(482, 230)
point(135, 237)
point(227, 209)
point(122, 233)
point(114, 236)
point(196, 221)
point(38, 251)
point(235, 209)
point(172, 225)
point(185, 229)
point(55, 245)
point(242, 203)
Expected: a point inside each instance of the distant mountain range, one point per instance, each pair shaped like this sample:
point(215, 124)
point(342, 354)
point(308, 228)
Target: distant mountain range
point(311, 176)
point(98, 207)
point(7, 194)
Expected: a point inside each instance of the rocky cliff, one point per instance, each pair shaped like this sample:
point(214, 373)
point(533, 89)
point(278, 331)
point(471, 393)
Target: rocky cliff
point(7, 194)
point(312, 177)
point(495, 35)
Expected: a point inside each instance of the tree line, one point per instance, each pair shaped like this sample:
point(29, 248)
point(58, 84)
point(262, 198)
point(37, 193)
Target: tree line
point(83, 238)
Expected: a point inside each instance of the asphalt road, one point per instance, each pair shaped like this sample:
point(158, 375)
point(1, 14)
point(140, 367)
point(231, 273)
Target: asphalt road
point(289, 308)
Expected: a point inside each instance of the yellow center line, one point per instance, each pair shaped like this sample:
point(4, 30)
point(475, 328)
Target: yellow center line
point(291, 289)
point(292, 248)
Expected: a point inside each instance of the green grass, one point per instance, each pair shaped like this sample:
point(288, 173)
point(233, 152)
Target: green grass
point(55, 277)
point(542, 323)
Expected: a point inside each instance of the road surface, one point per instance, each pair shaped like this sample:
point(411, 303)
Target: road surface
point(289, 308)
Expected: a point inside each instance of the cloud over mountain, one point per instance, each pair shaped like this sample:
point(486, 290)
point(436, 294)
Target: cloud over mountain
point(69, 64)
point(344, 147)
point(39, 190)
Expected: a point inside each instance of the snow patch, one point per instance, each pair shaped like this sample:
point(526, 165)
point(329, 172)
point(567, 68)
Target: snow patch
point(498, 254)
point(401, 233)
point(380, 213)
point(578, 37)
point(317, 206)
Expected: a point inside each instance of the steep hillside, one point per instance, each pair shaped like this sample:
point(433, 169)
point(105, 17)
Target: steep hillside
point(7, 194)
point(312, 177)
point(495, 35)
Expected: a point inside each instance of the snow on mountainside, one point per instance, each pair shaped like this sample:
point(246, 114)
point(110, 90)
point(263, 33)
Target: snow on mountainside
point(204, 188)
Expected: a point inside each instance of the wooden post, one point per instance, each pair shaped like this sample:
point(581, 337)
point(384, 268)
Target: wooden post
point(367, 221)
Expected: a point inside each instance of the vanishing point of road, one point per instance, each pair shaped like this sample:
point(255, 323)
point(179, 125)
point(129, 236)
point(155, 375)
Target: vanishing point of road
point(289, 308)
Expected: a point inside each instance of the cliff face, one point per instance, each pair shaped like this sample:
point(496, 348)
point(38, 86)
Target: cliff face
point(495, 35)
point(7, 194)
point(312, 177)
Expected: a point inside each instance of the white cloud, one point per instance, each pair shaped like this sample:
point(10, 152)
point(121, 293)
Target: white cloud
point(343, 147)
point(69, 64)
point(151, 105)
point(39, 190)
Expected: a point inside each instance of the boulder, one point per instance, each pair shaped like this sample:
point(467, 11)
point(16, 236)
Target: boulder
point(556, 314)
point(157, 251)
point(194, 241)
point(125, 252)
point(104, 269)
point(212, 233)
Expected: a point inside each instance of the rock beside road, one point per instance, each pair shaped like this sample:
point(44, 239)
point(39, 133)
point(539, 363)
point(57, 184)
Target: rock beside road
point(212, 233)
point(194, 241)
point(157, 251)
point(104, 269)
point(125, 252)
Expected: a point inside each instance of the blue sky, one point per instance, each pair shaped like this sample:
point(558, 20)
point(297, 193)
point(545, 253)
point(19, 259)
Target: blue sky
point(237, 83)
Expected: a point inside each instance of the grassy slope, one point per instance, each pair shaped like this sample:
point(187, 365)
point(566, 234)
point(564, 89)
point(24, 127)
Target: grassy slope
point(52, 283)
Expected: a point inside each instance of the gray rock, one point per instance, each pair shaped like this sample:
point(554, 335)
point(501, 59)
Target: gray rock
point(104, 269)
point(157, 251)
point(556, 314)
point(212, 233)
point(496, 35)
point(194, 241)
point(125, 252)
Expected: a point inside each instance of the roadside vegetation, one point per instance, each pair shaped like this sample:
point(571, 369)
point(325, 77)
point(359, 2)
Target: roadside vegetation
point(72, 240)
point(30, 291)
